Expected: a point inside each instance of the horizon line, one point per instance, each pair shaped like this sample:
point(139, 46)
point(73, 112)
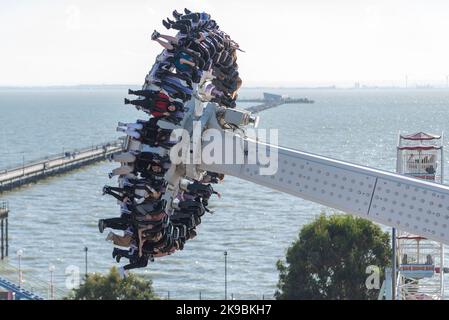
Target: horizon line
point(317, 86)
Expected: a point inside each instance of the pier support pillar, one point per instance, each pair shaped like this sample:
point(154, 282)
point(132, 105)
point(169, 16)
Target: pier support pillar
point(2, 254)
point(3, 230)
point(6, 238)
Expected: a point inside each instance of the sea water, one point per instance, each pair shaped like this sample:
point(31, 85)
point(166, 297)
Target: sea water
point(53, 220)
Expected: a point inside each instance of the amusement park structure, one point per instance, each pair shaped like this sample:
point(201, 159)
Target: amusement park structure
point(401, 201)
point(411, 200)
point(420, 260)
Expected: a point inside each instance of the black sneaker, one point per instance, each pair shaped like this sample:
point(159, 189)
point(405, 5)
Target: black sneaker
point(101, 225)
point(130, 91)
point(166, 24)
point(116, 255)
point(176, 14)
point(127, 101)
point(155, 35)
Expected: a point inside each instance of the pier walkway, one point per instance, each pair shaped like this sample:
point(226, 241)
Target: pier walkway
point(271, 101)
point(281, 101)
point(42, 168)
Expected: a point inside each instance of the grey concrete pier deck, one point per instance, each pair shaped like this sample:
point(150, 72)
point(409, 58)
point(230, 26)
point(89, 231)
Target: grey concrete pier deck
point(42, 168)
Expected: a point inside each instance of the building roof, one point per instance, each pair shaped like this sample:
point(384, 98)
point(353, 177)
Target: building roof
point(271, 96)
point(419, 147)
point(420, 136)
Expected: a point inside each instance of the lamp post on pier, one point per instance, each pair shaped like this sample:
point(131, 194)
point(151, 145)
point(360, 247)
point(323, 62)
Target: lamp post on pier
point(85, 261)
point(226, 274)
point(19, 255)
point(51, 268)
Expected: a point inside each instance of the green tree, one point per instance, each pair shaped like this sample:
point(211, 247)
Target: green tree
point(112, 287)
point(330, 258)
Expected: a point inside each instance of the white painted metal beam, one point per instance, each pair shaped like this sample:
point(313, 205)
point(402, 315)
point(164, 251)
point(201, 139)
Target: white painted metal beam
point(412, 205)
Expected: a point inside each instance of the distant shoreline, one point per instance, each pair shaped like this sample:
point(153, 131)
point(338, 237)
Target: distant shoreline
point(126, 86)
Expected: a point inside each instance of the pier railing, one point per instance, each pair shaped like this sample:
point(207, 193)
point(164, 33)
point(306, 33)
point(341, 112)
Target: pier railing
point(278, 101)
point(31, 287)
point(116, 143)
point(40, 168)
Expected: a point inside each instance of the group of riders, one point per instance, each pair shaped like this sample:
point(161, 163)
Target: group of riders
point(149, 230)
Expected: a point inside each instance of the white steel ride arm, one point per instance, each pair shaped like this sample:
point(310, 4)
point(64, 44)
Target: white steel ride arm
point(412, 205)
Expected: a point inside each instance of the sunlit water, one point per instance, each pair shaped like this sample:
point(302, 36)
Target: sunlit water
point(53, 220)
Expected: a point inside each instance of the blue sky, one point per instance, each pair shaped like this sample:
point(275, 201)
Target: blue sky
point(301, 42)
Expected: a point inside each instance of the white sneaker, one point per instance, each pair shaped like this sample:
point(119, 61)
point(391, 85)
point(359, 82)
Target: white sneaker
point(122, 272)
point(110, 236)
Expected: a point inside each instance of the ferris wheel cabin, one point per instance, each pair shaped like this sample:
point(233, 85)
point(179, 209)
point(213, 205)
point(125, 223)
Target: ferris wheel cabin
point(420, 156)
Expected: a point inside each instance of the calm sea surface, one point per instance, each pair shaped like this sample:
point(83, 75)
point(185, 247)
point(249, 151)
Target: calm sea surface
point(53, 220)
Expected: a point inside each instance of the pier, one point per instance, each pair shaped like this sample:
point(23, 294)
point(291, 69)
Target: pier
point(17, 292)
point(39, 169)
point(14, 287)
point(282, 100)
point(270, 100)
point(11, 289)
